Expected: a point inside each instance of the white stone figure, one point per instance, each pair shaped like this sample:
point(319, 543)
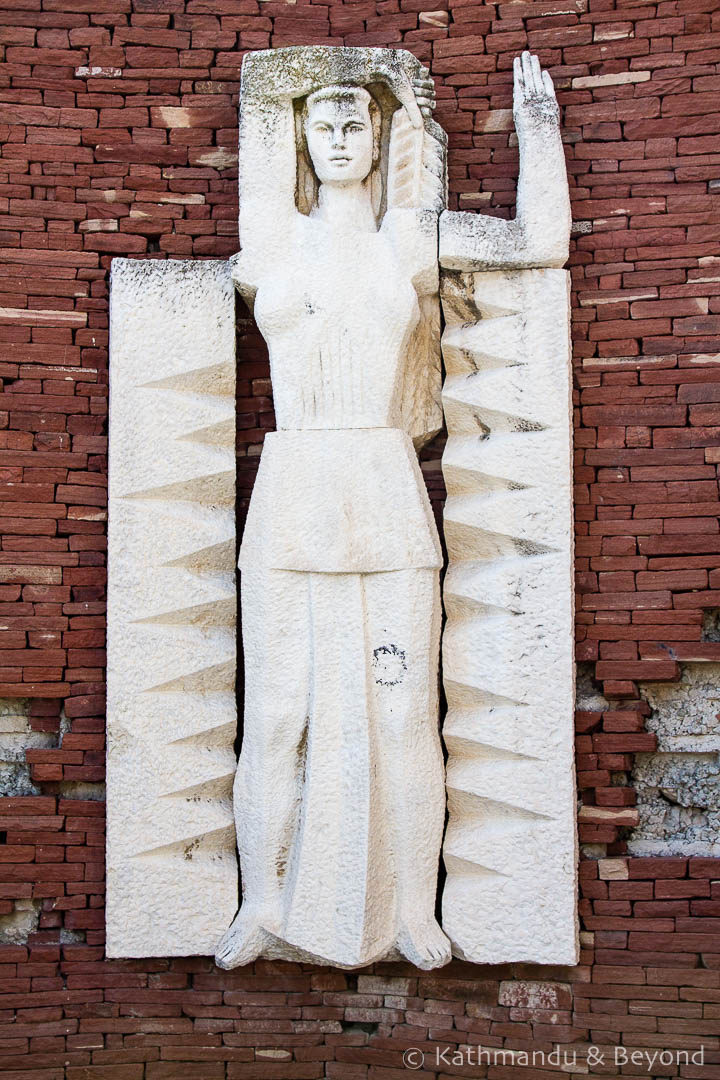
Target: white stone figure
point(339, 794)
point(510, 848)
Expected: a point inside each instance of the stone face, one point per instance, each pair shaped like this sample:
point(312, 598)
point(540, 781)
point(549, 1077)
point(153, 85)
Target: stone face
point(407, 191)
point(339, 795)
point(510, 845)
point(172, 870)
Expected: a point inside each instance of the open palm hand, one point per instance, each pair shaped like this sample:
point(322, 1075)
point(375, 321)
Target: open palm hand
point(534, 100)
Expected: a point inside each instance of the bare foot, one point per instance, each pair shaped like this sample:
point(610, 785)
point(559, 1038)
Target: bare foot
point(243, 941)
point(424, 944)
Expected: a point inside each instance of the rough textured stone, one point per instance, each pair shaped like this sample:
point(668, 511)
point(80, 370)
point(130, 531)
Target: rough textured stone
point(678, 787)
point(17, 926)
point(16, 736)
point(172, 871)
point(507, 648)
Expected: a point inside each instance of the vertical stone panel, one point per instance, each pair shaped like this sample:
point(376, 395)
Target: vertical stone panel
point(510, 846)
point(172, 871)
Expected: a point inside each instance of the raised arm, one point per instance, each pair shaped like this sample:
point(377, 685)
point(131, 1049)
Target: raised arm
point(539, 234)
point(267, 159)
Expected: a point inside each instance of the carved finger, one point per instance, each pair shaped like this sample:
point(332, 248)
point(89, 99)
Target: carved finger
point(518, 84)
point(405, 93)
point(548, 84)
point(537, 75)
point(528, 80)
point(425, 98)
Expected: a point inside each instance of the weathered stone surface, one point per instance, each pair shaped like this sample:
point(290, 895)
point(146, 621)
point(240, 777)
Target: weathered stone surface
point(406, 186)
point(338, 795)
point(17, 926)
point(17, 736)
point(172, 870)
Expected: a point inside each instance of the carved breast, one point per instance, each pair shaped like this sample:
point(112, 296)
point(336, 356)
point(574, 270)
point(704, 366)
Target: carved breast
point(336, 313)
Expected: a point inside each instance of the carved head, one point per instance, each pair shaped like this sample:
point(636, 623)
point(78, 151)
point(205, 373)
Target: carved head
point(342, 133)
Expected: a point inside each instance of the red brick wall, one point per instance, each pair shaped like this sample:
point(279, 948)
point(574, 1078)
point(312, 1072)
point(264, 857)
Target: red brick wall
point(119, 124)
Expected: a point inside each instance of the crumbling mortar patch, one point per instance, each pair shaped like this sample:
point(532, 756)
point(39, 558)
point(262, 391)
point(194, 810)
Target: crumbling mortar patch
point(678, 786)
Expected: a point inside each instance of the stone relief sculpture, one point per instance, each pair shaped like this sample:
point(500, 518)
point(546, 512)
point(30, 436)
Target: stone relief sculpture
point(339, 795)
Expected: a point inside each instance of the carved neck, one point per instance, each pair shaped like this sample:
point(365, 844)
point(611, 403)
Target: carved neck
point(346, 206)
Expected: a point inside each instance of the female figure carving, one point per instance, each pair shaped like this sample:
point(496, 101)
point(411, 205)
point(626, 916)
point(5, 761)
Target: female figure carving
point(339, 794)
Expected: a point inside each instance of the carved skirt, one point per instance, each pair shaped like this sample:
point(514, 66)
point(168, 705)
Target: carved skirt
point(339, 796)
point(340, 500)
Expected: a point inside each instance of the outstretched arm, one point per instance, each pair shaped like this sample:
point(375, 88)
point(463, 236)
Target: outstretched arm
point(540, 232)
point(267, 158)
point(543, 201)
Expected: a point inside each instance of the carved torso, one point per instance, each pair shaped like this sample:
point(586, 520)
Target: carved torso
point(337, 308)
point(337, 317)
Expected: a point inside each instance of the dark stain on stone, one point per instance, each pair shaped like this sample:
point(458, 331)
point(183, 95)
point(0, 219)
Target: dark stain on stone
point(485, 431)
point(389, 665)
point(520, 424)
point(301, 751)
point(283, 854)
point(191, 848)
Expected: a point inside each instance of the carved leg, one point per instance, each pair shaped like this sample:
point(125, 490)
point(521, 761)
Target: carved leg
point(268, 779)
point(404, 635)
point(341, 905)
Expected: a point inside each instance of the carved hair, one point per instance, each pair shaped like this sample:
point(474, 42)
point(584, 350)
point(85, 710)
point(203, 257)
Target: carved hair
point(307, 182)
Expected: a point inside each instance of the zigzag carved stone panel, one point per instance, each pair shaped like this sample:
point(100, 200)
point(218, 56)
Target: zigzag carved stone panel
point(510, 847)
point(172, 873)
